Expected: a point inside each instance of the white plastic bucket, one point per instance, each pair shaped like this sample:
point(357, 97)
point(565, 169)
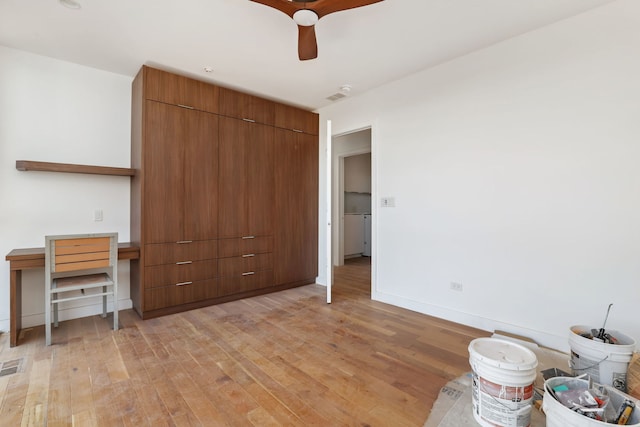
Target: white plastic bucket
point(605, 363)
point(559, 415)
point(502, 386)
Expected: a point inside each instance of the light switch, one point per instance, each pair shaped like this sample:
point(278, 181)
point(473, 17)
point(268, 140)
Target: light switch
point(97, 215)
point(387, 202)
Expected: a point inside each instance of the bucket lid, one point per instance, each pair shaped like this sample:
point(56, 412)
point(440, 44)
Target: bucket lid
point(503, 354)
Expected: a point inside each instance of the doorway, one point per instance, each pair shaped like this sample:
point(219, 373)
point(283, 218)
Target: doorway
point(352, 201)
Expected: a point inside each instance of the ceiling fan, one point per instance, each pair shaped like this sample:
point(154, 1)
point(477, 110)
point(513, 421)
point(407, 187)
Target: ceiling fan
point(306, 13)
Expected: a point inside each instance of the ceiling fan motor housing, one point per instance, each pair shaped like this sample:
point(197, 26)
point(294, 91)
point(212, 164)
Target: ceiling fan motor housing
point(305, 17)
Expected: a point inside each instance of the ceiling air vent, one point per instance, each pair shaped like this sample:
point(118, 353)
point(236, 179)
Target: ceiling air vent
point(336, 96)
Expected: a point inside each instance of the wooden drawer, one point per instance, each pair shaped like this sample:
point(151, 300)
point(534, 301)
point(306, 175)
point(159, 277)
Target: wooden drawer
point(239, 284)
point(296, 119)
point(179, 90)
point(245, 264)
point(246, 107)
point(244, 246)
point(172, 274)
point(166, 253)
point(169, 296)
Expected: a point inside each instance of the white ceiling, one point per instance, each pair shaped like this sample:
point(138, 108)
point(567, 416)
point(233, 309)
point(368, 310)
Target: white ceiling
point(254, 47)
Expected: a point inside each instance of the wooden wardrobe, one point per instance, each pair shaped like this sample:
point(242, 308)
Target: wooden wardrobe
point(224, 201)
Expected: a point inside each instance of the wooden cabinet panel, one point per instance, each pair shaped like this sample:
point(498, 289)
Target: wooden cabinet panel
point(163, 164)
point(179, 90)
point(232, 211)
point(238, 284)
point(246, 179)
point(175, 274)
point(238, 247)
point(244, 106)
point(180, 174)
point(260, 180)
point(167, 253)
point(296, 119)
point(296, 230)
point(228, 267)
point(200, 214)
point(169, 296)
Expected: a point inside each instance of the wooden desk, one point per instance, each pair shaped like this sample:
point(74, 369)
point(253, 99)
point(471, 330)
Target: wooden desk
point(24, 259)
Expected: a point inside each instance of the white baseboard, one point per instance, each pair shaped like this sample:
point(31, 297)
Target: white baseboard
point(541, 338)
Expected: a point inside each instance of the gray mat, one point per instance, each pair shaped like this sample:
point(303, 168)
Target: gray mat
point(453, 407)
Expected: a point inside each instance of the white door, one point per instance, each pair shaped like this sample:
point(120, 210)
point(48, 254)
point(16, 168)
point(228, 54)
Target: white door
point(329, 258)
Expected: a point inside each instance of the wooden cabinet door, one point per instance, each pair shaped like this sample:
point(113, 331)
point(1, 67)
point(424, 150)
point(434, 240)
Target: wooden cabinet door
point(232, 210)
point(246, 179)
point(244, 106)
point(163, 174)
point(259, 166)
point(296, 204)
point(292, 118)
point(179, 90)
point(200, 176)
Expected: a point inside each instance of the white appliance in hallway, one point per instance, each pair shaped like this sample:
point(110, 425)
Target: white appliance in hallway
point(357, 234)
point(367, 235)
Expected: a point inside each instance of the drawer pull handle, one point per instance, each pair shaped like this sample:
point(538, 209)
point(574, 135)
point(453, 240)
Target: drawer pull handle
point(182, 242)
point(184, 262)
point(248, 120)
point(249, 273)
point(186, 106)
point(183, 283)
point(297, 130)
point(248, 255)
point(248, 237)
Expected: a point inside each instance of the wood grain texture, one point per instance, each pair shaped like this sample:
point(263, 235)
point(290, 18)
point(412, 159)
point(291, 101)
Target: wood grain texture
point(292, 118)
point(282, 359)
point(246, 107)
point(246, 179)
point(164, 171)
point(296, 225)
point(29, 165)
point(179, 90)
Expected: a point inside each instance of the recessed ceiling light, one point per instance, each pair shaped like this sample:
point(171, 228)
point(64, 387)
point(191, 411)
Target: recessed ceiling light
point(208, 70)
point(71, 4)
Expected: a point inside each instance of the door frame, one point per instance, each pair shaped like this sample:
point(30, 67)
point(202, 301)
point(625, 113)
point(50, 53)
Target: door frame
point(334, 205)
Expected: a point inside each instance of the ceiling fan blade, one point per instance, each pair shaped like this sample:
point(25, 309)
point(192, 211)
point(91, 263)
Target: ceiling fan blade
point(282, 5)
point(307, 45)
point(325, 7)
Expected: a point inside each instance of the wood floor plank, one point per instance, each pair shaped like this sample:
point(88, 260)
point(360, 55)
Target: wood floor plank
point(283, 359)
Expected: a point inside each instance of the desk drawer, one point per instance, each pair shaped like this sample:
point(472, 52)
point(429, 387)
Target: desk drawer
point(250, 282)
point(236, 266)
point(167, 253)
point(169, 296)
point(172, 274)
point(243, 246)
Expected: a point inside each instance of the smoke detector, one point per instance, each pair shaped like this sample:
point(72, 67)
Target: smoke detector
point(345, 89)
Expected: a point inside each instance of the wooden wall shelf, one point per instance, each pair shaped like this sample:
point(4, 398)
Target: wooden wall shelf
point(28, 165)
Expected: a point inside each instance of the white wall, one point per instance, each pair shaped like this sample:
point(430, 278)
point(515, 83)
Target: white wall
point(515, 172)
point(56, 111)
point(357, 173)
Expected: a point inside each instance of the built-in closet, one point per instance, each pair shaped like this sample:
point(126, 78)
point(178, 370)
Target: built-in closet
point(224, 201)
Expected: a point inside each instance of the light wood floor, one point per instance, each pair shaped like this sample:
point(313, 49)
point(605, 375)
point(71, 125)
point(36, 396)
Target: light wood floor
point(282, 359)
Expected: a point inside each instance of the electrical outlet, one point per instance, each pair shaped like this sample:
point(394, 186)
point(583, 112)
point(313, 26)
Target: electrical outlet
point(455, 286)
